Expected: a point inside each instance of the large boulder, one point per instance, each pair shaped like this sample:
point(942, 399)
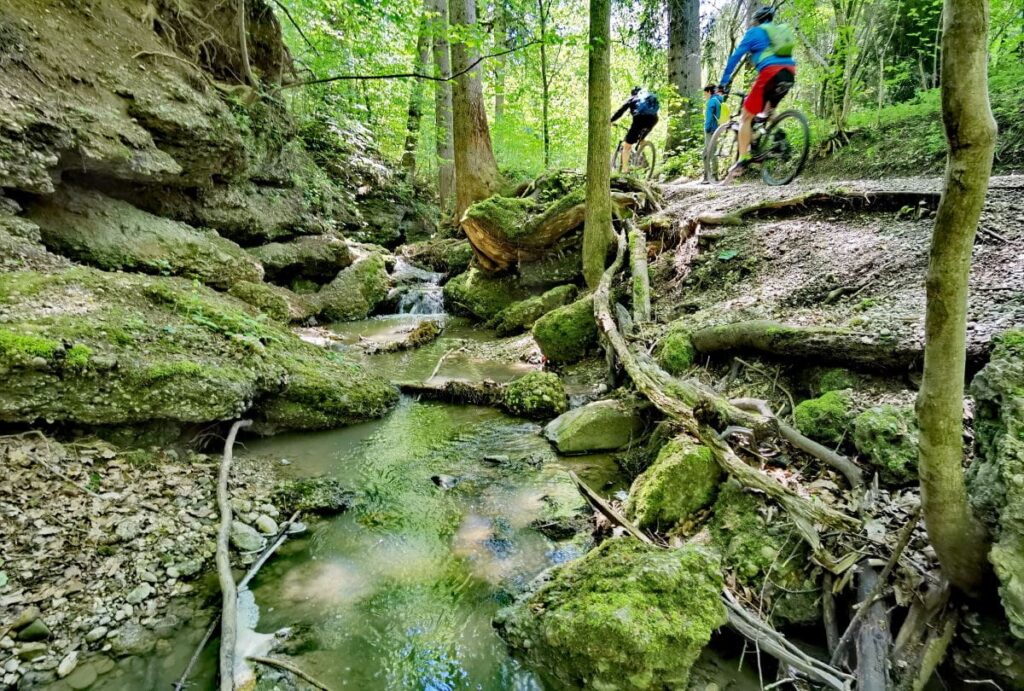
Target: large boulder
point(625, 616)
point(111, 234)
point(523, 315)
point(95, 348)
point(887, 436)
point(683, 479)
point(476, 294)
point(598, 426)
point(996, 478)
point(314, 257)
point(356, 291)
point(566, 334)
point(826, 418)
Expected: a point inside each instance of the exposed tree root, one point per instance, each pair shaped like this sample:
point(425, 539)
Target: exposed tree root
point(924, 638)
point(818, 343)
point(641, 279)
point(883, 200)
point(289, 667)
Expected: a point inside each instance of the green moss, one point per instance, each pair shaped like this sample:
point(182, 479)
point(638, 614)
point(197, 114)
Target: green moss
point(510, 216)
point(625, 616)
point(20, 347)
point(763, 551)
point(683, 478)
point(476, 294)
point(887, 436)
point(538, 395)
point(522, 315)
point(567, 333)
point(835, 379)
point(826, 418)
point(78, 356)
point(676, 352)
point(356, 291)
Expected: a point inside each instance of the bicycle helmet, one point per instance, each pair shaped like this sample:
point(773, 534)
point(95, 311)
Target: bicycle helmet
point(634, 91)
point(763, 15)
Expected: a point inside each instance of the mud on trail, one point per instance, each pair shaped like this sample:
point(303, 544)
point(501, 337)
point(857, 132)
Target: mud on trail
point(847, 254)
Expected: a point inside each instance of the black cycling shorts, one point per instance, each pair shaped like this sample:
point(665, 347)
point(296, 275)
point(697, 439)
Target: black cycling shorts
point(641, 127)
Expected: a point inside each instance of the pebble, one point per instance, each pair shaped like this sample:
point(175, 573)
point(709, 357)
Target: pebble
point(96, 634)
point(268, 509)
point(83, 677)
point(30, 651)
point(266, 525)
point(68, 664)
point(147, 576)
point(245, 538)
point(25, 617)
point(12, 665)
point(36, 631)
point(128, 529)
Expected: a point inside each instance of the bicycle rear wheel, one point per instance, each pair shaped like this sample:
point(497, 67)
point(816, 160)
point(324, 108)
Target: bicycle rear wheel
point(617, 158)
point(644, 158)
point(722, 152)
point(785, 147)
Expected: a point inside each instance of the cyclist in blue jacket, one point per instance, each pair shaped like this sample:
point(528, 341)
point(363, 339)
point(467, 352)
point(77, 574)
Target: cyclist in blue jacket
point(643, 106)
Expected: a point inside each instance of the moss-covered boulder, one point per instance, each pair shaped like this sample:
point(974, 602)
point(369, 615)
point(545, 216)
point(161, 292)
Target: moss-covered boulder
point(315, 257)
point(826, 418)
point(600, 426)
point(996, 478)
point(476, 294)
point(111, 234)
point(675, 352)
point(625, 616)
point(274, 301)
point(763, 551)
point(887, 436)
point(567, 333)
point(356, 291)
point(828, 379)
point(537, 395)
point(522, 315)
point(683, 478)
point(95, 348)
point(444, 255)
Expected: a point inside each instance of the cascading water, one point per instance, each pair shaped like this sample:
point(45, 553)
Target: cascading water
point(421, 290)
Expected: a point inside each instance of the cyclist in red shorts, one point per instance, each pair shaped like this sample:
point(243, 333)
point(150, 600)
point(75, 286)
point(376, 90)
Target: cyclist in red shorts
point(770, 46)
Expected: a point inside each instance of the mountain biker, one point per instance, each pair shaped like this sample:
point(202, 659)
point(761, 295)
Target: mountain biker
point(712, 116)
point(643, 106)
point(770, 46)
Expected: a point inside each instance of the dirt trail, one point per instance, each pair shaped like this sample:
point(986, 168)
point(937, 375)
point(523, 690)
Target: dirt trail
point(857, 259)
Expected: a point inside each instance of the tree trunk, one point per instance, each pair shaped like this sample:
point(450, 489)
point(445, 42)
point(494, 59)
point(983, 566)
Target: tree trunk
point(412, 135)
point(597, 224)
point(543, 10)
point(959, 539)
point(500, 44)
point(751, 10)
point(243, 45)
point(683, 68)
point(443, 108)
point(476, 171)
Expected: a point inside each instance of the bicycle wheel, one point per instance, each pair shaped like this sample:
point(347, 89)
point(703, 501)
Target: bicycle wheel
point(617, 158)
point(786, 145)
point(722, 152)
point(643, 158)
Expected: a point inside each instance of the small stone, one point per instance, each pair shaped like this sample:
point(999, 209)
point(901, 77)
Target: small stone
point(189, 567)
point(6, 642)
point(266, 525)
point(39, 362)
point(103, 664)
point(96, 634)
point(132, 639)
point(147, 576)
point(245, 538)
point(68, 664)
point(36, 631)
point(12, 665)
point(128, 529)
point(25, 617)
point(268, 509)
point(31, 651)
point(140, 593)
point(241, 505)
point(83, 677)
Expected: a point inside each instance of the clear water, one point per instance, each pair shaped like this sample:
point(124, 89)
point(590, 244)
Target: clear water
point(420, 290)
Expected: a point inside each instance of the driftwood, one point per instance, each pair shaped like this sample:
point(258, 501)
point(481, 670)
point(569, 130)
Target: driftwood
point(289, 667)
point(818, 343)
point(641, 279)
point(486, 393)
point(873, 637)
point(605, 509)
point(229, 593)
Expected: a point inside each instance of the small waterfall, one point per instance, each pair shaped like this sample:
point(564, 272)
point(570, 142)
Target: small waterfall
point(422, 292)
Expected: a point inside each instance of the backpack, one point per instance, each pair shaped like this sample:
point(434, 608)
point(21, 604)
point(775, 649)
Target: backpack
point(648, 105)
point(783, 40)
point(724, 112)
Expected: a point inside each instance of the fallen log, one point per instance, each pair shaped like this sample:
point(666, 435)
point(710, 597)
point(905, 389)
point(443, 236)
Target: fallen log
point(485, 393)
point(823, 344)
point(879, 200)
point(873, 637)
point(641, 279)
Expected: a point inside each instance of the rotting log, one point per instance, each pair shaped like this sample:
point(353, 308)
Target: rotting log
point(484, 393)
point(873, 637)
point(878, 200)
point(858, 349)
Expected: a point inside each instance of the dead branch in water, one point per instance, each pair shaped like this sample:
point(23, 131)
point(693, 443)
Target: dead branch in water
point(229, 593)
point(605, 509)
point(289, 667)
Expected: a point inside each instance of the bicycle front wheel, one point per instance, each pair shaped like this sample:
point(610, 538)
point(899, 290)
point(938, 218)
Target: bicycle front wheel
point(723, 150)
point(786, 146)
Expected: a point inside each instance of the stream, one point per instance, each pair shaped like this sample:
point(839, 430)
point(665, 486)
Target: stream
point(399, 592)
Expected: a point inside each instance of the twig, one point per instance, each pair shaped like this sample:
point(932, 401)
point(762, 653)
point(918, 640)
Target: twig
point(595, 500)
point(229, 593)
point(289, 667)
point(297, 27)
point(828, 613)
point(183, 679)
point(437, 367)
point(282, 535)
point(157, 53)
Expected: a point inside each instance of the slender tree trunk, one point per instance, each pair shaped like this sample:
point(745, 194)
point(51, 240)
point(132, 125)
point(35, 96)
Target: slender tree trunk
point(443, 108)
point(476, 171)
point(597, 222)
point(959, 539)
point(500, 44)
point(544, 83)
point(243, 45)
point(415, 115)
point(683, 68)
point(751, 9)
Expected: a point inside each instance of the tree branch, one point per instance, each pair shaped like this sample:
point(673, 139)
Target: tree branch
point(297, 27)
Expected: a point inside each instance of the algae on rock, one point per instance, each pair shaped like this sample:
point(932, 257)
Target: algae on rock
point(567, 333)
point(315, 257)
point(683, 479)
point(482, 296)
point(539, 395)
point(274, 301)
point(624, 616)
point(600, 426)
point(521, 316)
point(675, 351)
point(826, 418)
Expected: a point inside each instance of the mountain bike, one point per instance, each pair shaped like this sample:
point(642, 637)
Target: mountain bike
point(642, 158)
point(781, 144)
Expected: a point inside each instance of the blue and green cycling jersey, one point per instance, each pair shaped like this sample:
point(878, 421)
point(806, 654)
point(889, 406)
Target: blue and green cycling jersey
point(757, 44)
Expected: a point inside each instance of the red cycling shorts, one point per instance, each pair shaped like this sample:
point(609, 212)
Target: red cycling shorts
point(772, 83)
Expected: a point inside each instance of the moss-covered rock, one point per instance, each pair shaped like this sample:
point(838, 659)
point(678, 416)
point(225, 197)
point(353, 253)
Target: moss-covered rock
point(522, 315)
point(826, 418)
point(764, 551)
point(675, 352)
point(510, 216)
point(315, 257)
point(834, 379)
point(683, 478)
point(538, 395)
point(887, 436)
point(476, 294)
point(567, 333)
point(625, 616)
point(95, 348)
point(356, 291)
point(996, 478)
point(274, 301)
point(112, 234)
point(600, 426)
point(444, 255)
